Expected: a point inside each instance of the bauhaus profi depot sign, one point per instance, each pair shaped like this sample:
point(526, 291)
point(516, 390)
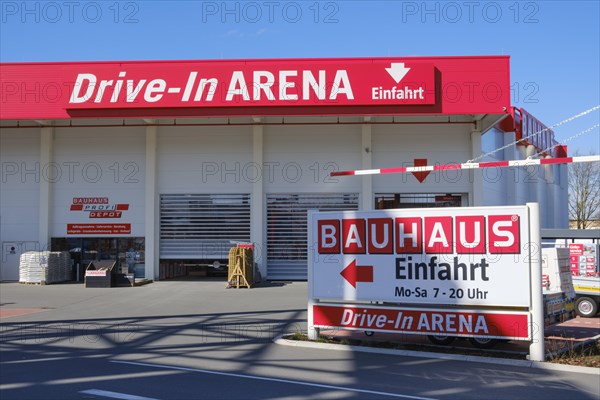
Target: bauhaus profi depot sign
point(453, 271)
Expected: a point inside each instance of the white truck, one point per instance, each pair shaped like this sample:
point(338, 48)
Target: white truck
point(557, 289)
point(557, 286)
point(587, 292)
point(586, 277)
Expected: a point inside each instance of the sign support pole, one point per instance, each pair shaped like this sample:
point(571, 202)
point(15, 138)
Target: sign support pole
point(312, 332)
point(536, 348)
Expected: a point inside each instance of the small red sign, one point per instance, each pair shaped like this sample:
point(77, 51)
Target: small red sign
point(98, 229)
point(443, 199)
point(98, 207)
point(576, 249)
point(95, 273)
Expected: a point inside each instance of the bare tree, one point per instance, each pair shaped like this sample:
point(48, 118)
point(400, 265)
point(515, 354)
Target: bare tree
point(584, 193)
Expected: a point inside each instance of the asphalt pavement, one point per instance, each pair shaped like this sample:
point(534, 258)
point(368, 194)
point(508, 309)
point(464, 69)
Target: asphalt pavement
point(196, 339)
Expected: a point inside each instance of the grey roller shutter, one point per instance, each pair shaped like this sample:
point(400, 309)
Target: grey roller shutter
point(202, 226)
point(287, 229)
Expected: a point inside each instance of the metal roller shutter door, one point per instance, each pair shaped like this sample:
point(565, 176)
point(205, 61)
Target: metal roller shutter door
point(202, 226)
point(287, 229)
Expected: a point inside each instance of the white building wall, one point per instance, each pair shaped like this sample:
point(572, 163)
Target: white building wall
point(299, 158)
point(205, 159)
point(99, 162)
point(21, 174)
point(400, 145)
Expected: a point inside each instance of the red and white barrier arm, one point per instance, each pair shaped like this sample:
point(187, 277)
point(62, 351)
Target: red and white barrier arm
point(491, 164)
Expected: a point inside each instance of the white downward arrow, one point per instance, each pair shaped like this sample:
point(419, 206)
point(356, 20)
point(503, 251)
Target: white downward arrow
point(397, 71)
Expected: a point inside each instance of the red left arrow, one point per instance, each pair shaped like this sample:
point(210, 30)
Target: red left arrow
point(354, 273)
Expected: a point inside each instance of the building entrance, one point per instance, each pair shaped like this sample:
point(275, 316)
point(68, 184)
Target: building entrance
point(128, 253)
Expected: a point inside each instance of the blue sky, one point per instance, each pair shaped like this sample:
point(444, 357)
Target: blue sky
point(554, 45)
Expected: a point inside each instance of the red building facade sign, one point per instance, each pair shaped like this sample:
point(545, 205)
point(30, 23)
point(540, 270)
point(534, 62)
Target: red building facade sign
point(376, 86)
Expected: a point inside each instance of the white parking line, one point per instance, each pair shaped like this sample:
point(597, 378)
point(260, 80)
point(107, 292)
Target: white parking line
point(262, 378)
point(115, 395)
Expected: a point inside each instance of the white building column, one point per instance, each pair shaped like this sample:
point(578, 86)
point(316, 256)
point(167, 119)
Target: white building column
point(542, 193)
point(562, 197)
point(549, 193)
point(520, 177)
point(366, 198)
point(512, 174)
point(257, 204)
point(45, 208)
point(476, 174)
point(531, 177)
point(152, 218)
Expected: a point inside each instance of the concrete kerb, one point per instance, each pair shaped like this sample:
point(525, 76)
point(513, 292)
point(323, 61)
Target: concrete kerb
point(425, 354)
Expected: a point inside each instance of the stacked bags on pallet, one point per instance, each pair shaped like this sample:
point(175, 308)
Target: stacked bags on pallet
point(44, 267)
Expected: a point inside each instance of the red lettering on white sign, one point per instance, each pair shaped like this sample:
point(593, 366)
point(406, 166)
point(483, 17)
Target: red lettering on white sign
point(381, 232)
point(329, 236)
point(470, 234)
point(409, 235)
point(353, 234)
point(439, 236)
point(503, 234)
point(421, 235)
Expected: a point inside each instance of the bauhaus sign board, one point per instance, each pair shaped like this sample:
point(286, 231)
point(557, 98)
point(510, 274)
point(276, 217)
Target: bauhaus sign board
point(476, 256)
